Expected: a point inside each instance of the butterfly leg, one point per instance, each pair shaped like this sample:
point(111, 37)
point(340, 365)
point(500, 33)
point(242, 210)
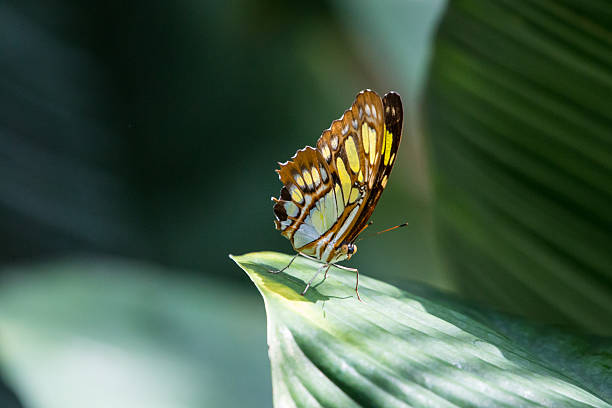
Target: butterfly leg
point(357, 286)
point(288, 265)
point(357, 283)
point(315, 259)
point(314, 277)
point(327, 270)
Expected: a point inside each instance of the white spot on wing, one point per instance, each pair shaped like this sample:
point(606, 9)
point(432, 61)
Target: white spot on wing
point(334, 142)
point(323, 174)
point(326, 152)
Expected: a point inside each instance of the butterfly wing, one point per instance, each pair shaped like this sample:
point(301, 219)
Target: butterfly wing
point(388, 144)
point(330, 192)
point(306, 208)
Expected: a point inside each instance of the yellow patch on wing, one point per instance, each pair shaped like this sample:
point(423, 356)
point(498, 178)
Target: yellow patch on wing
point(315, 176)
point(307, 177)
point(298, 179)
point(339, 199)
point(388, 143)
point(360, 177)
point(354, 195)
point(329, 210)
point(351, 153)
point(365, 136)
point(372, 145)
point(345, 179)
point(296, 195)
point(384, 181)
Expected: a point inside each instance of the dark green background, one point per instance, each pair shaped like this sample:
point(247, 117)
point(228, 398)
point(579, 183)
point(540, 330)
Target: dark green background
point(138, 142)
point(152, 130)
point(149, 132)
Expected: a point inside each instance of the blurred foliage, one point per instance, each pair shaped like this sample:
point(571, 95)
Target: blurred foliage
point(145, 136)
point(398, 349)
point(8, 399)
point(393, 39)
point(151, 130)
point(520, 134)
point(103, 333)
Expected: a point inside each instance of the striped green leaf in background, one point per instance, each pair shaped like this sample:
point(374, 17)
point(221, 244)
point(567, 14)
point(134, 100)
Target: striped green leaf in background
point(519, 120)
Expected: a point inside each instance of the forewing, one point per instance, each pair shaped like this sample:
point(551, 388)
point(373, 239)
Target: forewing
point(360, 148)
point(351, 145)
point(388, 145)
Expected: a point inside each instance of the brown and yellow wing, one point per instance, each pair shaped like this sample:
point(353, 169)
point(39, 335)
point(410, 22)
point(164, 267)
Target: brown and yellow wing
point(388, 144)
point(330, 192)
point(308, 206)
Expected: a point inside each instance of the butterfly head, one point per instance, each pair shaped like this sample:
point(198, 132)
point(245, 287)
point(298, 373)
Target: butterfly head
point(348, 250)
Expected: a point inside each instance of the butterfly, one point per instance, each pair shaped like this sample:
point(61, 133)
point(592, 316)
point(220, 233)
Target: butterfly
point(329, 191)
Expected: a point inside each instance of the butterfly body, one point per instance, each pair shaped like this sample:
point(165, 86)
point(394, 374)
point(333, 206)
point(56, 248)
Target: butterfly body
point(329, 192)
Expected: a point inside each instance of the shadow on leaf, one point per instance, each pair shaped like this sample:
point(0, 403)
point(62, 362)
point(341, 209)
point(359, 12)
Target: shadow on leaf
point(285, 285)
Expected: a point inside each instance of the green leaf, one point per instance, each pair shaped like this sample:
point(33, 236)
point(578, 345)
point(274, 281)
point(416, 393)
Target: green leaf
point(92, 332)
point(397, 349)
point(520, 134)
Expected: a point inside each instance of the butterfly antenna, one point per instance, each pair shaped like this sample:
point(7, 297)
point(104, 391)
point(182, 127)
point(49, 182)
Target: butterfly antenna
point(379, 232)
point(392, 228)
